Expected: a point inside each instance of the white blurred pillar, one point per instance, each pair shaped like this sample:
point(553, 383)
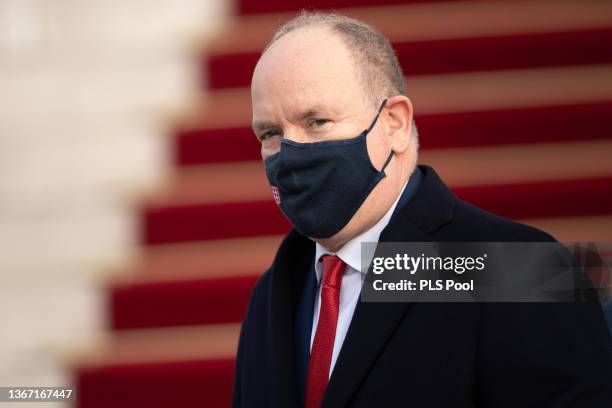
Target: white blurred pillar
point(87, 89)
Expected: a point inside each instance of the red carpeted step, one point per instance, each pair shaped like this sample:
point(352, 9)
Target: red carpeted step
point(454, 55)
point(186, 367)
point(274, 6)
point(595, 228)
point(547, 199)
point(183, 302)
point(184, 384)
point(211, 221)
point(412, 22)
point(227, 220)
point(441, 130)
point(193, 283)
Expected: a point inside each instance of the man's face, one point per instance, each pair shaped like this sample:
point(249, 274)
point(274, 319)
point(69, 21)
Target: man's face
point(306, 88)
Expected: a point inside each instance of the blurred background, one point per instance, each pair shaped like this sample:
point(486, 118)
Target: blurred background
point(135, 215)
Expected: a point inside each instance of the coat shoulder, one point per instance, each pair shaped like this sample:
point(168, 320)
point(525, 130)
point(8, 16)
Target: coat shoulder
point(470, 223)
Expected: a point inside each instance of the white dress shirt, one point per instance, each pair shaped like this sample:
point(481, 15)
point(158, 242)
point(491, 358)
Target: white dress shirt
point(352, 279)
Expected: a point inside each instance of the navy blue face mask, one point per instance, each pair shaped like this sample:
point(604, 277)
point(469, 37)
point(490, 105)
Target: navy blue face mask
point(320, 186)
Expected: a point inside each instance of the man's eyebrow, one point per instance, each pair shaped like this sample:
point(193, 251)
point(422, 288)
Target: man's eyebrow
point(313, 112)
point(259, 126)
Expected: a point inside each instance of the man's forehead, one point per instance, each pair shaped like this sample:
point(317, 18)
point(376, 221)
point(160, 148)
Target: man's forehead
point(305, 41)
point(303, 74)
point(302, 56)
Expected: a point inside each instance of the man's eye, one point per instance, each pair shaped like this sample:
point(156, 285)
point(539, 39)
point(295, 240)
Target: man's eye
point(268, 134)
point(318, 122)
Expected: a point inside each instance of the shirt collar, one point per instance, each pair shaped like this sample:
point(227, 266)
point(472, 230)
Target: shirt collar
point(350, 253)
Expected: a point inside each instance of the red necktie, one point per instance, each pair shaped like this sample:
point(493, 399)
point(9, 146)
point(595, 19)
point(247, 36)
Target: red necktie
point(323, 344)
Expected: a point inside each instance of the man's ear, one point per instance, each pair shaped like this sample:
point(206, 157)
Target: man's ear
point(399, 122)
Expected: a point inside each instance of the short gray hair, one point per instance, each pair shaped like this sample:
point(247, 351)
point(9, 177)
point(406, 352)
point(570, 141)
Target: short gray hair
point(376, 61)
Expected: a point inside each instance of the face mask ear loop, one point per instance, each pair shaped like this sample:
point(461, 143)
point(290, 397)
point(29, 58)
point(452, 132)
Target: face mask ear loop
point(387, 162)
point(384, 102)
point(382, 105)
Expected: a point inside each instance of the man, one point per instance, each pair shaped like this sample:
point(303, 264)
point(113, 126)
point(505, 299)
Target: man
point(340, 147)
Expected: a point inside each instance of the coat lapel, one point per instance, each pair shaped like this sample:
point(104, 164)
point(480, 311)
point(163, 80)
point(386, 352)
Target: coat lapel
point(292, 263)
point(374, 323)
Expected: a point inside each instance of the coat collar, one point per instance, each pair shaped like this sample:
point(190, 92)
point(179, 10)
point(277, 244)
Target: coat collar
point(430, 207)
